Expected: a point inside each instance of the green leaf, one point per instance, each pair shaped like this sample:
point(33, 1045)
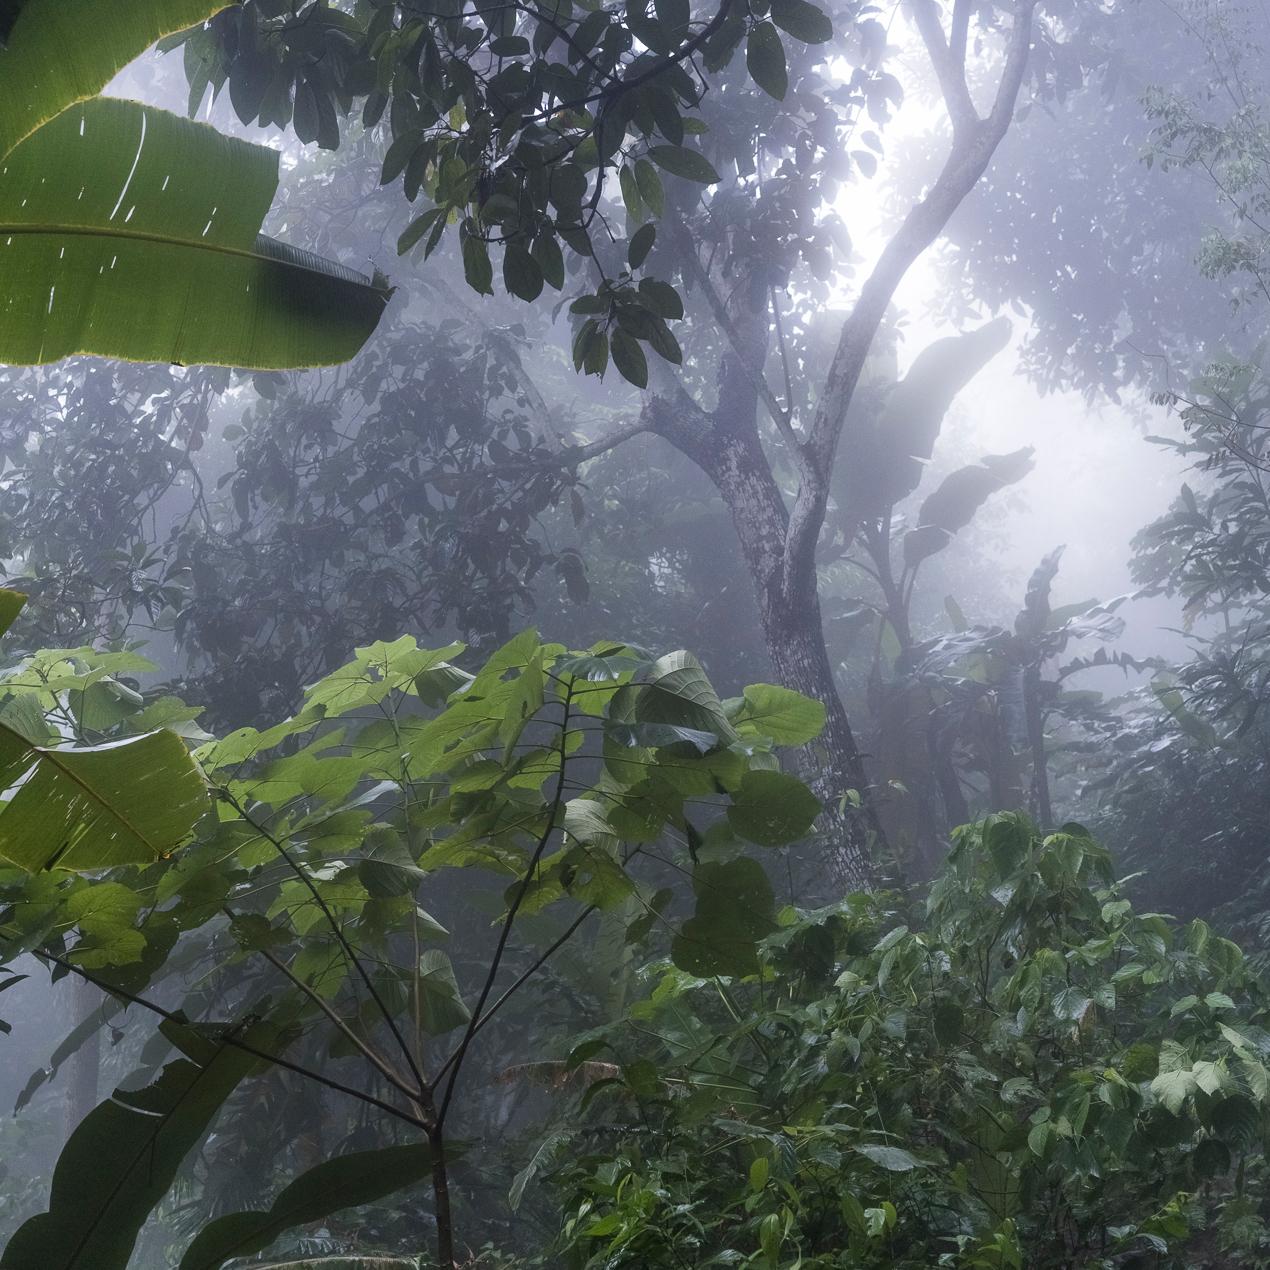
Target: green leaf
point(11, 604)
point(60, 52)
point(522, 275)
point(1171, 1088)
point(344, 1182)
point(765, 60)
point(893, 1159)
point(629, 359)
point(692, 165)
point(128, 802)
point(781, 715)
point(772, 808)
point(661, 298)
point(123, 1158)
point(476, 265)
point(440, 1003)
point(641, 244)
point(735, 909)
point(803, 21)
point(676, 691)
point(650, 188)
point(128, 232)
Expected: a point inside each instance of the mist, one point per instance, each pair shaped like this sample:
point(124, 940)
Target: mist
point(635, 636)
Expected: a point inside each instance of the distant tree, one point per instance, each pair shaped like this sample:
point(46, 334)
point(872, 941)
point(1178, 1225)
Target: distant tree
point(745, 218)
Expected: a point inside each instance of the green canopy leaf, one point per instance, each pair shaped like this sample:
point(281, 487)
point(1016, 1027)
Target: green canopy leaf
point(128, 232)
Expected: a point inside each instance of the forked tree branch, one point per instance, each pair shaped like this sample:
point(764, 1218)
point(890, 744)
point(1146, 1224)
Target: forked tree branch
point(968, 158)
point(948, 59)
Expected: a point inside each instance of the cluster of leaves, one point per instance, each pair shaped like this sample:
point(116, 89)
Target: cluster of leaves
point(1029, 1074)
point(528, 128)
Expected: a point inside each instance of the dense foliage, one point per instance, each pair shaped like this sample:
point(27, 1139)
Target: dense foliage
point(481, 949)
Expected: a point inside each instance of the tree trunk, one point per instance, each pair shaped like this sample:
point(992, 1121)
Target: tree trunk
point(794, 636)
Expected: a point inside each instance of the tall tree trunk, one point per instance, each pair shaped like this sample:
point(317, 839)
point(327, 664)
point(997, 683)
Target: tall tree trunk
point(794, 636)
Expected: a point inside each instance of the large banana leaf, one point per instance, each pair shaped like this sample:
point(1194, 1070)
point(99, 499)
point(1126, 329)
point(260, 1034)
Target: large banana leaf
point(128, 232)
point(54, 53)
point(129, 802)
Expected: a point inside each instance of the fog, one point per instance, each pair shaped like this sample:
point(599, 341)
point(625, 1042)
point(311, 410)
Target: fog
point(867, 405)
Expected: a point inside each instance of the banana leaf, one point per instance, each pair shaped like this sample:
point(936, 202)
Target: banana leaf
point(126, 231)
point(54, 53)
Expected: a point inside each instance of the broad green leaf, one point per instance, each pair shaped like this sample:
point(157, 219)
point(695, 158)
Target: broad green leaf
point(63, 51)
point(1172, 1088)
point(735, 909)
point(440, 1002)
point(772, 808)
point(344, 1182)
point(123, 1158)
point(127, 802)
point(128, 232)
point(781, 715)
point(11, 603)
point(765, 60)
point(629, 359)
point(802, 20)
point(676, 691)
point(893, 1159)
point(692, 165)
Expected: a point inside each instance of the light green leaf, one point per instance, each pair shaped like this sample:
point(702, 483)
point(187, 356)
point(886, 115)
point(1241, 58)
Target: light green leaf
point(1172, 1088)
point(128, 802)
point(40, 76)
point(783, 716)
point(893, 1159)
point(128, 232)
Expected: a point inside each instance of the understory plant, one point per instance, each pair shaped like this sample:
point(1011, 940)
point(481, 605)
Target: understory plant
point(1022, 1071)
point(292, 935)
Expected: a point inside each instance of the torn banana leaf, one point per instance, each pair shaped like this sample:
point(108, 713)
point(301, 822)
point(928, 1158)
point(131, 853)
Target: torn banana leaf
point(126, 231)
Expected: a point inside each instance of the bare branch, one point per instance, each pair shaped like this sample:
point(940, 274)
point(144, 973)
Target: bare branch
point(575, 454)
point(781, 417)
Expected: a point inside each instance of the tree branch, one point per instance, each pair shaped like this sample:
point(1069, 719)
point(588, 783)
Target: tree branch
point(967, 160)
point(781, 417)
point(949, 62)
point(231, 1040)
point(575, 454)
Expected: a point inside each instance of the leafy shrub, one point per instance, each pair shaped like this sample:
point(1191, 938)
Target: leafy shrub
point(1029, 1074)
